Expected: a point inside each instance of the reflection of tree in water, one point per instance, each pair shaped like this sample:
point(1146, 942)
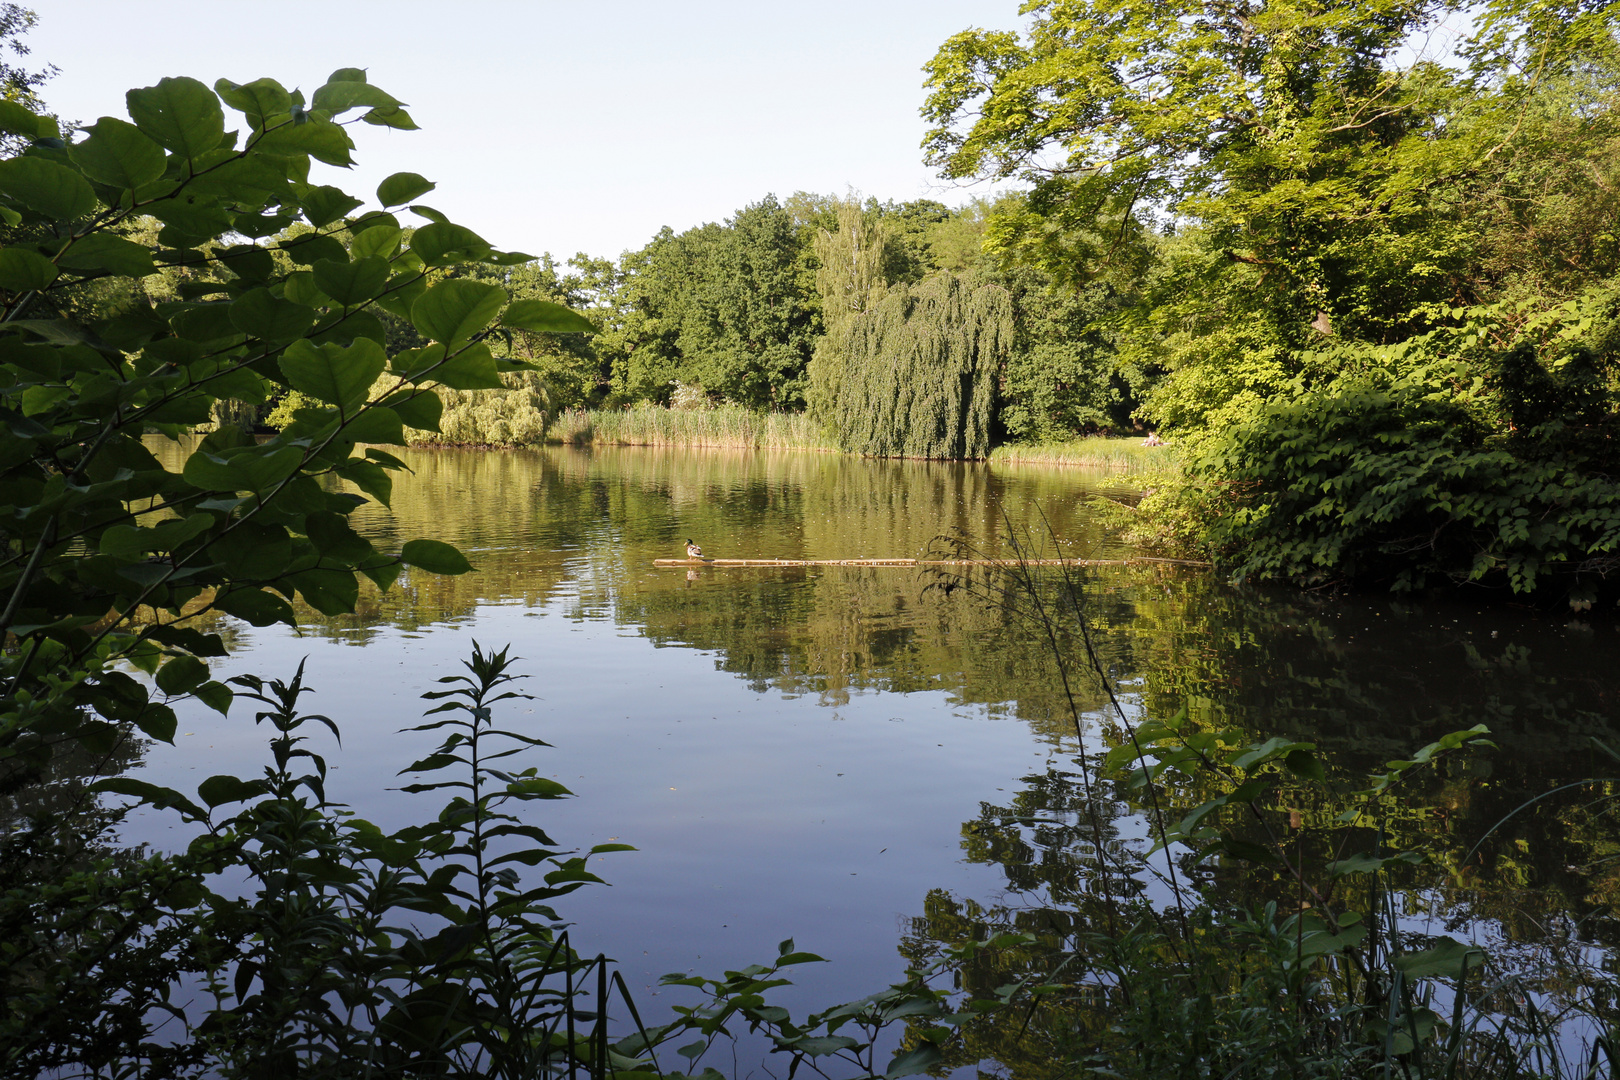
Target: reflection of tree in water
point(44, 799)
point(71, 902)
point(1538, 929)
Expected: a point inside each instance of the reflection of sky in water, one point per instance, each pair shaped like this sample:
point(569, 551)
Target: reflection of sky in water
point(757, 817)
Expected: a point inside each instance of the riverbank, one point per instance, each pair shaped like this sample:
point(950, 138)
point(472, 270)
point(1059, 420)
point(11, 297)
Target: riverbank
point(1127, 453)
point(727, 425)
point(733, 426)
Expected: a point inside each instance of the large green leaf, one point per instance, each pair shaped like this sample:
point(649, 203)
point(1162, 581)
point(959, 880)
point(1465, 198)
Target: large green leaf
point(376, 424)
point(379, 240)
point(330, 592)
point(403, 187)
point(204, 323)
point(299, 287)
point(190, 221)
point(22, 270)
point(246, 468)
point(219, 790)
point(421, 409)
point(252, 181)
point(351, 325)
point(453, 311)
point(250, 262)
point(216, 695)
point(255, 606)
point(1446, 959)
point(17, 120)
point(258, 99)
point(54, 190)
point(436, 557)
point(403, 291)
point(311, 248)
point(193, 641)
point(325, 204)
point(119, 154)
point(351, 283)
point(259, 226)
point(911, 1062)
point(369, 477)
point(394, 117)
point(253, 552)
point(161, 798)
point(104, 251)
point(546, 317)
point(181, 114)
point(334, 374)
point(182, 675)
point(259, 313)
point(440, 243)
point(336, 538)
point(340, 96)
point(133, 541)
point(320, 139)
point(473, 368)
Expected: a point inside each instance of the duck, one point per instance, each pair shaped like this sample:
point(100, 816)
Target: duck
point(692, 550)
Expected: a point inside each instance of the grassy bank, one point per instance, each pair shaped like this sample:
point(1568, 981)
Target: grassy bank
point(727, 425)
point(731, 425)
point(1100, 451)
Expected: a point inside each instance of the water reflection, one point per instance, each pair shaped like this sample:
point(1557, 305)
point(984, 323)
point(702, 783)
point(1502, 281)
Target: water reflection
point(574, 533)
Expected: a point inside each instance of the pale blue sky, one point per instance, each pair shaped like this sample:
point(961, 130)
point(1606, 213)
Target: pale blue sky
point(564, 127)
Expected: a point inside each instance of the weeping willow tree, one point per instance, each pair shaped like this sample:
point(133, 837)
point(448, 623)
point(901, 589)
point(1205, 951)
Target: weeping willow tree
point(919, 371)
point(851, 283)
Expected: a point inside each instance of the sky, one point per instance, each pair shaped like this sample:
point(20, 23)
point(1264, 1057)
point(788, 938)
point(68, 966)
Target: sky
point(563, 127)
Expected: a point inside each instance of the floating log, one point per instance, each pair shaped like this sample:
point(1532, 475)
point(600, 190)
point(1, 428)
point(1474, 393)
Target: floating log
point(695, 563)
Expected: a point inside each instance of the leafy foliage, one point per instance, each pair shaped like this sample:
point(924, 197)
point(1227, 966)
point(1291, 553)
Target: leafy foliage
point(151, 272)
point(99, 524)
point(918, 373)
point(1373, 269)
point(722, 306)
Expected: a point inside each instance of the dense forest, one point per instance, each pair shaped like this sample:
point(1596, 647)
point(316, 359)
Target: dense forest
point(756, 312)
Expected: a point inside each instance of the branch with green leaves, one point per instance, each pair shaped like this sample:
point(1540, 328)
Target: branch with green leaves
point(108, 553)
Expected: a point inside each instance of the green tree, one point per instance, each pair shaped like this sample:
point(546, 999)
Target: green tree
point(920, 370)
point(725, 307)
point(17, 83)
point(851, 279)
point(1367, 267)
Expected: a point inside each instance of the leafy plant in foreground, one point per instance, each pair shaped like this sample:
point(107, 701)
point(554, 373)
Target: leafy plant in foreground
point(270, 284)
point(345, 951)
point(106, 552)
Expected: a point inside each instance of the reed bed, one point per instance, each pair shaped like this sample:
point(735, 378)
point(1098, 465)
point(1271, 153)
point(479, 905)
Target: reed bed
point(1127, 454)
point(726, 425)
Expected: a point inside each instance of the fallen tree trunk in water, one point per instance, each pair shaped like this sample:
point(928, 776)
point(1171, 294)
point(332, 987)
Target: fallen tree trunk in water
point(919, 562)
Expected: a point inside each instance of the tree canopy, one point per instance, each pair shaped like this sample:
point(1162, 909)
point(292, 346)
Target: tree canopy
point(1377, 282)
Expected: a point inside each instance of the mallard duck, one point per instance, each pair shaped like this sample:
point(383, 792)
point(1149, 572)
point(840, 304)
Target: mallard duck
point(692, 550)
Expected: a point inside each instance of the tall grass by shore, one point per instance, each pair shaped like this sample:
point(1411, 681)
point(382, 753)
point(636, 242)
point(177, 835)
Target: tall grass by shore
point(733, 426)
point(1099, 451)
point(726, 425)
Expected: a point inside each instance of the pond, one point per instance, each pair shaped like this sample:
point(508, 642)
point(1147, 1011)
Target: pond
point(867, 764)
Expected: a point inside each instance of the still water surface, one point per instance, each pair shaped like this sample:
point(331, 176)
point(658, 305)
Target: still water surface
point(847, 757)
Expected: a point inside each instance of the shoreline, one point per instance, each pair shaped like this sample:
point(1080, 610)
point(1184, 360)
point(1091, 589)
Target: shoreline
point(730, 427)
